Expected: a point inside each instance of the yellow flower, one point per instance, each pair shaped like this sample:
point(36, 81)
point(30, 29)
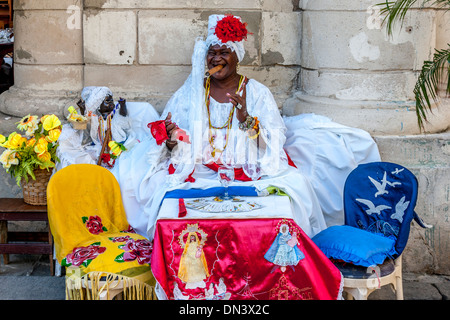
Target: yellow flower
point(2, 139)
point(51, 122)
point(31, 142)
point(41, 146)
point(31, 129)
point(15, 141)
point(46, 158)
point(8, 158)
point(53, 135)
point(72, 110)
point(115, 148)
point(28, 122)
point(44, 117)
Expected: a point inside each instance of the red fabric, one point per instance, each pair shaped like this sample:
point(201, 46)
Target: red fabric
point(158, 131)
point(181, 135)
point(234, 252)
point(171, 170)
point(239, 173)
point(290, 162)
point(182, 208)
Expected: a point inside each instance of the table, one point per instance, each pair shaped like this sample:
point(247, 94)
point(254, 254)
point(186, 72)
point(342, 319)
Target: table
point(15, 209)
point(213, 256)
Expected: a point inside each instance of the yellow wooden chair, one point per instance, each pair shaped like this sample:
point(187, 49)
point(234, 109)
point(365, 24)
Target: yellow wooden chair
point(104, 258)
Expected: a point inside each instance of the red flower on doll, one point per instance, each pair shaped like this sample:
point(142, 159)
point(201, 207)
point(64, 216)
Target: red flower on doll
point(231, 29)
point(94, 224)
point(106, 158)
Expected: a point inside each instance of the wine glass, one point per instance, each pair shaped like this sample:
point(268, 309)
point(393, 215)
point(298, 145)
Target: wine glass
point(226, 176)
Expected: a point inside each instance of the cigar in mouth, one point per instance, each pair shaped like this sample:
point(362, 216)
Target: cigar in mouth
point(211, 71)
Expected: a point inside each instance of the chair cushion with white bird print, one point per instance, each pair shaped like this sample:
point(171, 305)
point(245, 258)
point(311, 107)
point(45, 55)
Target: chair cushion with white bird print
point(379, 202)
point(380, 197)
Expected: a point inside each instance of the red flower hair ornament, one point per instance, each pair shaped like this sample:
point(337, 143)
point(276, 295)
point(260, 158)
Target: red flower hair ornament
point(231, 28)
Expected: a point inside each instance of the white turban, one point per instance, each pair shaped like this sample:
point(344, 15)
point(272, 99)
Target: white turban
point(212, 39)
point(94, 96)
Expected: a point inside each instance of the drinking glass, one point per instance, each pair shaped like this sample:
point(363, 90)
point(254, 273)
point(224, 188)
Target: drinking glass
point(226, 176)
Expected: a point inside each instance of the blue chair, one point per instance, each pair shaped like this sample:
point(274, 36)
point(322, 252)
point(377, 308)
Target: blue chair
point(379, 205)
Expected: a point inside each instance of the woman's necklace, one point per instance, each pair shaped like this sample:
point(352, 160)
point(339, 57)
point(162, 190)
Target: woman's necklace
point(229, 121)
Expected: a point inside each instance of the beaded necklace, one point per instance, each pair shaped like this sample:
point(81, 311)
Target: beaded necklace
point(103, 126)
point(229, 121)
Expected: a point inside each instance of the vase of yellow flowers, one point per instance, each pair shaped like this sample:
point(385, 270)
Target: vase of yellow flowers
point(32, 154)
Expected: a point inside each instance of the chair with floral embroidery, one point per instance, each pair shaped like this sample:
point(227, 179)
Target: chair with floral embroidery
point(103, 256)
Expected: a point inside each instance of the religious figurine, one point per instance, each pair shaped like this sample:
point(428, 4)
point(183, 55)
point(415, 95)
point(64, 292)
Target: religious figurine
point(107, 123)
point(193, 268)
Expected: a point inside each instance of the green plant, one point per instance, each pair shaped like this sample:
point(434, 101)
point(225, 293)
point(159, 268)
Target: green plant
point(433, 71)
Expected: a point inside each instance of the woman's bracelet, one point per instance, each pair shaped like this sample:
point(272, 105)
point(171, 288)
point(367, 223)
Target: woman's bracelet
point(255, 135)
point(248, 123)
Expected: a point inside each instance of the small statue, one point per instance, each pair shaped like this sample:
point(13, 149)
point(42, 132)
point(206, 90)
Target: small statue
point(108, 122)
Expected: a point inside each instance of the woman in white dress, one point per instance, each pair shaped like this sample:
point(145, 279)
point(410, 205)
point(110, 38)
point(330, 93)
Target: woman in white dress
point(230, 120)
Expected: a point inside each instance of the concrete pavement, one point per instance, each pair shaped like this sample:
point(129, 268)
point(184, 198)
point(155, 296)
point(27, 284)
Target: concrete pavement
point(27, 277)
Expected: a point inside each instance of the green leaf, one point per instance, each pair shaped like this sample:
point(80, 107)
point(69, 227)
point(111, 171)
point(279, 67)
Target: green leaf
point(86, 262)
point(425, 90)
point(120, 258)
point(64, 263)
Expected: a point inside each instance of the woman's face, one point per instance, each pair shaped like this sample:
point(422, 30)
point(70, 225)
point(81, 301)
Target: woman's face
point(224, 56)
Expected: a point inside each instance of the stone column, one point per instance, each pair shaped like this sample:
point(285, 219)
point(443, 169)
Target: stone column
point(355, 74)
point(48, 57)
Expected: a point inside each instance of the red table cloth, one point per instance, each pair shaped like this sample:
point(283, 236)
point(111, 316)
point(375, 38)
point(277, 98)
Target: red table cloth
point(240, 259)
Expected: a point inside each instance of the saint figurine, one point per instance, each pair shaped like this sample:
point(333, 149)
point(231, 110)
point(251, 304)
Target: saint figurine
point(108, 122)
point(193, 269)
point(284, 250)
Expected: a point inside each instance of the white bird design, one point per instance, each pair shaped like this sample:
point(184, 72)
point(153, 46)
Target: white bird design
point(400, 208)
point(381, 187)
point(372, 208)
point(397, 170)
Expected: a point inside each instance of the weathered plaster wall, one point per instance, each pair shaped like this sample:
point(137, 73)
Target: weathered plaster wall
point(348, 62)
point(140, 49)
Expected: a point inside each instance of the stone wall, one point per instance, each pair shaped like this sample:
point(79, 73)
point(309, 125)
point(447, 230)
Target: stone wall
point(139, 49)
point(328, 57)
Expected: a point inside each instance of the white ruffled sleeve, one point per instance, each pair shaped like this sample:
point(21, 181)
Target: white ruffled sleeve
point(265, 154)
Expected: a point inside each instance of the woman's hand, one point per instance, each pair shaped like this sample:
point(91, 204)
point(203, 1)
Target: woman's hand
point(170, 128)
point(240, 104)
